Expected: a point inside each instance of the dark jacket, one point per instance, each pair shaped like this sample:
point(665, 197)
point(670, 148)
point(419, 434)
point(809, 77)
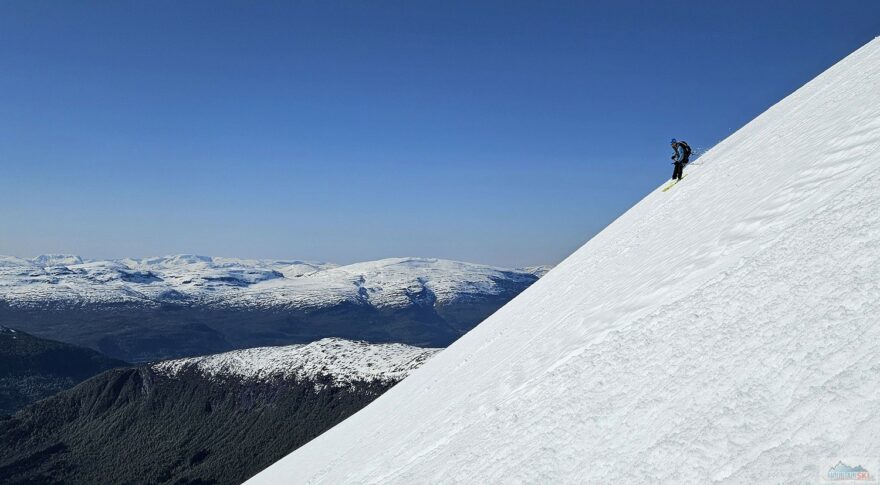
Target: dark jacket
point(681, 154)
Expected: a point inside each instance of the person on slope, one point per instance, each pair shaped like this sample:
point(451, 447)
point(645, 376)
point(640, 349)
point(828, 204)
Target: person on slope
point(680, 158)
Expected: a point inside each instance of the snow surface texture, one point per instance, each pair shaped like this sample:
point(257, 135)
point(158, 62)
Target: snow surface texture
point(723, 332)
point(225, 282)
point(339, 361)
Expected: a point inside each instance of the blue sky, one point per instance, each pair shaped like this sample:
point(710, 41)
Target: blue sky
point(500, 132)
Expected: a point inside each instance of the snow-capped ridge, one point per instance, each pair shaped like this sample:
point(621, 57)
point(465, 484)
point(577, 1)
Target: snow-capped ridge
point(538, 271)
point(57, 260)
point(329, 361)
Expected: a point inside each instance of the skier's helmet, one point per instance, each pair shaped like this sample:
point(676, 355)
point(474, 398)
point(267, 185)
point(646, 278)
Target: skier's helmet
point(673, 141)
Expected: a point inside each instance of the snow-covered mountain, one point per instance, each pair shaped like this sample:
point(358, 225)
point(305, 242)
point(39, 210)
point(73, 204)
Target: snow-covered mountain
point(725, 331)
point(213, 419)
point(331, 361)
point(153, 308)
point(64, 280)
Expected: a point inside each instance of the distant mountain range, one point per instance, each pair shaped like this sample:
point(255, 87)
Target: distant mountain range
point(156, 308)
point(222, 417)
point(217, 419)
point(32, 368)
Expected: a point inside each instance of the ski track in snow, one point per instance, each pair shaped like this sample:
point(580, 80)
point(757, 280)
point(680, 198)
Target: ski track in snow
point(723, 332)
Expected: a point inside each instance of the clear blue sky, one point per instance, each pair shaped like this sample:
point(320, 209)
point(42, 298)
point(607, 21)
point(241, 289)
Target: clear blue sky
point(500, 132)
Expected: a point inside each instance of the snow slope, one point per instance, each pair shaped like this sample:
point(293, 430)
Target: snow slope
point(725, 331)
point(340, 361)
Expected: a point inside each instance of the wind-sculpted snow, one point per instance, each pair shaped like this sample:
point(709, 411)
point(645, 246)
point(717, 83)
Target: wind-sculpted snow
point(224, 282)
point(341, 361)
point(724, 332)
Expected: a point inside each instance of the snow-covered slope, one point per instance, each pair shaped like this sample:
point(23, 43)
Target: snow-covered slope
point(338, 362)
point(725, 331)
point(68, 280)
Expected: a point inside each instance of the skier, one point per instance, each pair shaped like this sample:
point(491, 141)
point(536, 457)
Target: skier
point(680, 158)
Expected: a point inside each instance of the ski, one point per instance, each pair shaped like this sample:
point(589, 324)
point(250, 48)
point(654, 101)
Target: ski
point(672, 184)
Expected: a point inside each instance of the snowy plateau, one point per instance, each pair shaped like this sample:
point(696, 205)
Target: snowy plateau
point(726, 331)
point(142, 310)
point(65, 280)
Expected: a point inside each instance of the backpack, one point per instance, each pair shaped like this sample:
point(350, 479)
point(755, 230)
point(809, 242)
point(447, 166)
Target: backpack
point(686, 149)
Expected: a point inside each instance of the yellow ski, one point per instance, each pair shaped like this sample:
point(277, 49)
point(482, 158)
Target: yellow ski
point(672, 184)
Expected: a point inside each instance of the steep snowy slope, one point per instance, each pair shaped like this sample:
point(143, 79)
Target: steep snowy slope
point(725, 331)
